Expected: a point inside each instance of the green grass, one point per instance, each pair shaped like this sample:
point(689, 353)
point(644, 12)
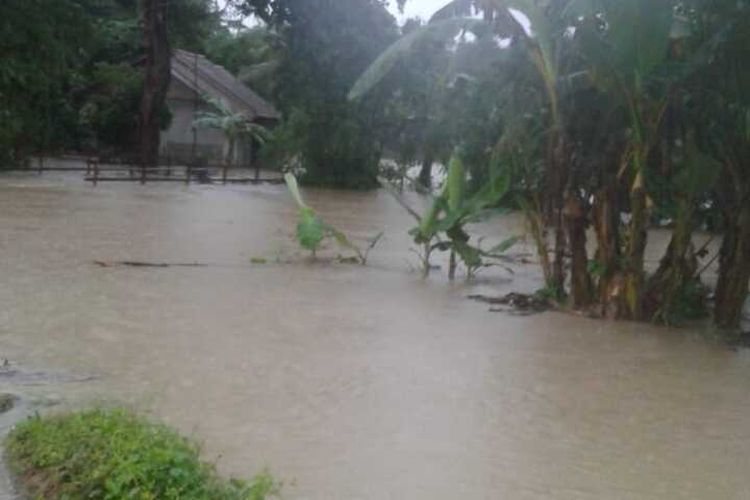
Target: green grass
point(113, 454)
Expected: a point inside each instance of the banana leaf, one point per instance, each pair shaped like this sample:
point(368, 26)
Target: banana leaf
point(291, 183)
point(310, 229)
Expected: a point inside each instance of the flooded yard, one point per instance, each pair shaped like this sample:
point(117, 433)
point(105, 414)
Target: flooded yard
point(352, 382)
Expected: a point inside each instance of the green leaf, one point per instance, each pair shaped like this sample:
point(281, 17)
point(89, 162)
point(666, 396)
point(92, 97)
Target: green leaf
point(504, 245)
point(636, 40)
point(340, 238)
point(428, 227)
point(456, 182)
point(443, 30)
point(490, 194)
point(291, 184)
point(310, 229)
point(469, 255)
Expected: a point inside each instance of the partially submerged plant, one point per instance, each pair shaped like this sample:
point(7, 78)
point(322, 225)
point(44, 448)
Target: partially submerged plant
point(442, 227)
point(312, 230)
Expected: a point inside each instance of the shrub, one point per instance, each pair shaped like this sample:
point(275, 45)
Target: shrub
point(113, 454)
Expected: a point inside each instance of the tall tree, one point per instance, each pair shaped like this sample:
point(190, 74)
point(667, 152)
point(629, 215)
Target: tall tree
point(40, 41)
point(327, 44)
point(156, 77)
point(721, 107)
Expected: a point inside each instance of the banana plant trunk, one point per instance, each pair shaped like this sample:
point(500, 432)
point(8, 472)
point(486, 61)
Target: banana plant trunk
point(534, 218)
point(580, 281)
point(637, 238)
point(560, 176)
point(734, 268)
point(676, 269)
point(452, 266)
point(608, 255)
point(157, 62)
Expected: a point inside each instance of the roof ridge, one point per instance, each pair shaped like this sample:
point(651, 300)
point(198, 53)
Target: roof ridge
point(222, 81)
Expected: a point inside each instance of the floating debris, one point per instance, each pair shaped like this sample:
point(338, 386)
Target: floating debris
point(132, 263)
point(514, 302)
point(7, 402)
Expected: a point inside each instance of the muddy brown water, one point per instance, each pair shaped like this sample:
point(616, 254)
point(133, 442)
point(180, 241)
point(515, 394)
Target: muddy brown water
point(351, 382)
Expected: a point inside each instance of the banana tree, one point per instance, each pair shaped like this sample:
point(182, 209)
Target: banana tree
point(674, 292)
point(443, 226)
point(624, 43)
point(722, 117)
point(542, 46)
point(312, 229)
point(234, 126)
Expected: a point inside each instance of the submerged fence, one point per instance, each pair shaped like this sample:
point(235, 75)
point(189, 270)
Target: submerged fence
point(96, 169)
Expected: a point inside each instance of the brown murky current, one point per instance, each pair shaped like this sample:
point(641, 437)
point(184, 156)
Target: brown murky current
point(354, 382)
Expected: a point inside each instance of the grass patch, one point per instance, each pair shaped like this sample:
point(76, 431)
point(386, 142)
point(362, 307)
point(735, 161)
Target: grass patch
point(113, 454)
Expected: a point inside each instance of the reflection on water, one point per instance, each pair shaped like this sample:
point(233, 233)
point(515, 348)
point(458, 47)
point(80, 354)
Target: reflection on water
point(352, 382)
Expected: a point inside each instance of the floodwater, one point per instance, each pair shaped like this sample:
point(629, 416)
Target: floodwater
point(353, 382)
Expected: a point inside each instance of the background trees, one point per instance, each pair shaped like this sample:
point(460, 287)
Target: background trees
point(326, 45)
point(69, 77)
point(38, 43)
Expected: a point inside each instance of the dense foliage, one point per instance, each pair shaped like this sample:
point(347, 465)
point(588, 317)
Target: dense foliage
point(326, 45)
point(69, 76)
point(611, 114)
point(38, 43)
point(114, 454)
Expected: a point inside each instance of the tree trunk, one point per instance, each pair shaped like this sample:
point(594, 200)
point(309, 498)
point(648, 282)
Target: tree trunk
point(156, 77)
point(676, 269)
point(607, 229)
point(558, 266)
point(580, 281)
point(425, 174)
point(452, 266)
point(534, 218)
point(637, 238)
point(734, 268)
point(559, 170)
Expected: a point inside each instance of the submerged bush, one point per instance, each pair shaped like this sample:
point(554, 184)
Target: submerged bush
point(113, 454)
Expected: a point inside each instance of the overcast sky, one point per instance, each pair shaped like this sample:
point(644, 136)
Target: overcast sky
point(418, 8)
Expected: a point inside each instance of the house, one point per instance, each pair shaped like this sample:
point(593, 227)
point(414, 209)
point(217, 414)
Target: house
point(194, 79)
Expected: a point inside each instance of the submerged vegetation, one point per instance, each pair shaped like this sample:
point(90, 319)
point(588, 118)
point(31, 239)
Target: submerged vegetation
point(114, 454)
point(595, 118)
point(442, 227)
point(312, 230)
